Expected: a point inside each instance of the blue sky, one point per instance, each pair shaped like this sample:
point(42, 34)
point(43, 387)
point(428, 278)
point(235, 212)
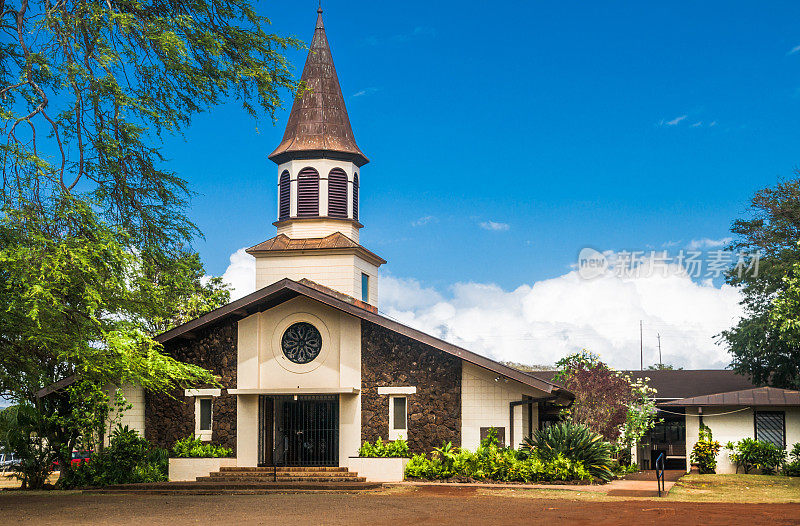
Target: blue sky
point(504, 140)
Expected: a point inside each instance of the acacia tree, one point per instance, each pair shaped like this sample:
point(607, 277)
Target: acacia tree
point(95, 245)
point(758, 345)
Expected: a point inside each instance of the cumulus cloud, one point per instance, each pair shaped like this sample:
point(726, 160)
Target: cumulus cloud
point(493, 226)
point(241, 274)
point(706, 243)
point(547, 320)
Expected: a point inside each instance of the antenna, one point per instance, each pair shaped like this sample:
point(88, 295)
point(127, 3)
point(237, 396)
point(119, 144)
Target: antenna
point(641, 348)
point(660, 363)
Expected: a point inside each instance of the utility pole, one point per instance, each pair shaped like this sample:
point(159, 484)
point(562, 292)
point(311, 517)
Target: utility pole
point(641, 348)
point(660, 363)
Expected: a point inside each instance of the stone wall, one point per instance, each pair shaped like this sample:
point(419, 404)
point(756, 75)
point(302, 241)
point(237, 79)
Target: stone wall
point(168, 419)
point(389, 359)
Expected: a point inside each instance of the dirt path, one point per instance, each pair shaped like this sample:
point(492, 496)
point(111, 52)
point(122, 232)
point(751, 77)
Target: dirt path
point(423, 506)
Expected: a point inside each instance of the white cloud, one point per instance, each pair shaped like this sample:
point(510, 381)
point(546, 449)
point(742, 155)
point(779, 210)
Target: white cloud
point(543, 322)
point(494, 226)
point(366, 91)
point(697, 124)
point(703, 243)
point(794, 50)
point(241, 274)
point(676, 120)
point(422, 221)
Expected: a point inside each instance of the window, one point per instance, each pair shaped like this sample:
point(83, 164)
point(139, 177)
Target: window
point(355, 197)
point(203, 417)
point(364, 288)
point(308, 193)
point(284, 189)
point(398, 417)
point(337, 193)
point(771, 427)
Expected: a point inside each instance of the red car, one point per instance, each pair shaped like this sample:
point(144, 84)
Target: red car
point(78, 458)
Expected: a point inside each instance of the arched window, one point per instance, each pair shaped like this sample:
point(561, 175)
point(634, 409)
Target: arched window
point(308, 193)
point(284, 188)
point(337, 193)
point(355, 197)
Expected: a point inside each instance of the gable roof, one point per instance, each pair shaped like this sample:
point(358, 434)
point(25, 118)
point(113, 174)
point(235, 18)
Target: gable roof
point(287, 289)
point(767, 396)
point(674, 384)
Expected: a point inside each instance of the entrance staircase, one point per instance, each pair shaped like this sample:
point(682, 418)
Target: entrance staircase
point(247, 480)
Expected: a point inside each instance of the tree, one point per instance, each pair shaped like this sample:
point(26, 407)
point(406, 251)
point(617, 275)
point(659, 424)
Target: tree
point(785, 312)
point(767, 236)
point(663, 367)
point(95, 245)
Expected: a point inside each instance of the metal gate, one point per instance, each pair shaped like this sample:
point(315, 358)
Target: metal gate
point(305, 430)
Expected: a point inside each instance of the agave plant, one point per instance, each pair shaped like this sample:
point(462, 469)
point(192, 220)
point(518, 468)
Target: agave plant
point(575, 442)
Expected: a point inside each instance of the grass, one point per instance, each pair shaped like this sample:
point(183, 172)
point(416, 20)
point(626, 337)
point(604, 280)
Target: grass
point(736, 488)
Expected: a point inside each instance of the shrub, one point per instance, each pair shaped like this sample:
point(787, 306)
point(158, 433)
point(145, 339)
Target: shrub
point(191, 447)
point(705, 450)
point(792, 469)
point(393, 449)
point(575, 442)
point(749, 453)
point(128, 459)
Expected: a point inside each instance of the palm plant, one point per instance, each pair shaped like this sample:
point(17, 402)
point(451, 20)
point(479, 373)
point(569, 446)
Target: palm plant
point(575, 442)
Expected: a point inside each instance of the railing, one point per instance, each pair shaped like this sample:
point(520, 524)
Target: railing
point(660, 474)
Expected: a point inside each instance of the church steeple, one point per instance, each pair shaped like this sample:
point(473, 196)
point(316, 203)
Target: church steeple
point(318, 124)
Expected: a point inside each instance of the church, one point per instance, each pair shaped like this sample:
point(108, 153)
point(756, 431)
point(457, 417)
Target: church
point(308, 367)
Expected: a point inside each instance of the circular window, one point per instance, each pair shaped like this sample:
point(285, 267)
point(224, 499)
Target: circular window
point(301, 342)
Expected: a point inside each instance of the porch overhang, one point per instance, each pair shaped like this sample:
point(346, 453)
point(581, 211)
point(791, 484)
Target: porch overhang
point(297, 391)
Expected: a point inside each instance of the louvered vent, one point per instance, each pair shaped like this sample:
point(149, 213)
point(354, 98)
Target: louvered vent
point(308, 193)
point(283, 193)
point(355, 197)
point(337, 193)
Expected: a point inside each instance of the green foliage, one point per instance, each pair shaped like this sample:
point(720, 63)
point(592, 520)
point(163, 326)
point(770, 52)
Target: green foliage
point(749, 453)
point(128, 459)
point(764, 343)
point(575, 442)
point(792, 468)
point(492, 463)
point(22, 429)
point(396, 448)
point(704, 451)
point(641, 415)
point(191, 447)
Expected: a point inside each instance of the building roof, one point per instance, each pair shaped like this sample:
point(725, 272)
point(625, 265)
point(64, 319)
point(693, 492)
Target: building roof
point(765, 396)
point(674, 384)
point(336, 241)
point(287, 289)
point(318, 124)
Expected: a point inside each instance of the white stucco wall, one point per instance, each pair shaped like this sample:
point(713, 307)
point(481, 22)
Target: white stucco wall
point(262, 366)
point(133, 417)
point(341, 272)
point(308, 229)
point(485, 403)
point(735, 426)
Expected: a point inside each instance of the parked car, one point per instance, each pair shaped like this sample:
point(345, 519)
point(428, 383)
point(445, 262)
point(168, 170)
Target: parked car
point(78, 458)
point(8, 461)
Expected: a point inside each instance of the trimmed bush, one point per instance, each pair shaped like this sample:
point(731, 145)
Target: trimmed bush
point(792, 469)
point(381, 449)
point(191, 447)
point(705, 450)
point(128, 459)
point(574, 442)
point(749, 454)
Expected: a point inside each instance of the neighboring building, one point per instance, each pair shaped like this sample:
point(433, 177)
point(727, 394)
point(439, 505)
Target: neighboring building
point(308, 367)
point(728, 403)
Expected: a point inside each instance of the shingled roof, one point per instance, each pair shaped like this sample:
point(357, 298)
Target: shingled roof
point(764, 396)
point(336, 241)
point(318, 124)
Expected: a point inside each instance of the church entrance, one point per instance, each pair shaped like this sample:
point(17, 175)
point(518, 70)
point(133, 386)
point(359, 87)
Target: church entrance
point(299, 430)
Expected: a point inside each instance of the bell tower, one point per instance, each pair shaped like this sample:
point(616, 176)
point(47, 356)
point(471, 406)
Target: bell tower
point(319, 176)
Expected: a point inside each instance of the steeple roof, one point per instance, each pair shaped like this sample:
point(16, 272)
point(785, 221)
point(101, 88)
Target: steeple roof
point(318, 123)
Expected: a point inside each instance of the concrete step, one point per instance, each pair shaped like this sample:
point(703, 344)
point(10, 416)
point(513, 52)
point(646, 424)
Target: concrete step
point(284, 468)
point(266, 480)
point(270, 474)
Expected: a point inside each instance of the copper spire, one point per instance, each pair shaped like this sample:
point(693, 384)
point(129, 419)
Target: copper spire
point(318, 123)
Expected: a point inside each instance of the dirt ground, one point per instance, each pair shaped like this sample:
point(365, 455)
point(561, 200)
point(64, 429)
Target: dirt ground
point(431, 505)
